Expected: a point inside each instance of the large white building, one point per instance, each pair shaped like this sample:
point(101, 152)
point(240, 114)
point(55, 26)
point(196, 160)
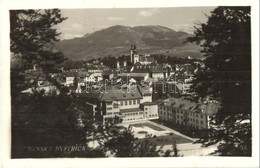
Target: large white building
point(184, 112)
point(125, 104)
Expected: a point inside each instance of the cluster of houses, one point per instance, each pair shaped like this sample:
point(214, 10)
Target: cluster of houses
point(126, 92)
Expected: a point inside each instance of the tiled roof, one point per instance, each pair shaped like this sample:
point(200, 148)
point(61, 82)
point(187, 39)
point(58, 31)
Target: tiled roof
point(180, 103)
point(112, 93)
point(133, 74)
point(123, 94)
point(149, 103)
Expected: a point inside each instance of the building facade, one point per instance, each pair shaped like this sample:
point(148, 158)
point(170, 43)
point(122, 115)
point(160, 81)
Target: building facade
point(121, 103)
point(186, 113)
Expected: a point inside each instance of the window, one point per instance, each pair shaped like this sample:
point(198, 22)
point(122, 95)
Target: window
point(130, 102)
point(201, 116)
point(125, 102)
point(145, 108)
point(134, 101)
point(201, 122)
point(109, 103)
point(177, 116)
point(109, 108)
point(138, 101)
point(121, 103)
point(115, 105)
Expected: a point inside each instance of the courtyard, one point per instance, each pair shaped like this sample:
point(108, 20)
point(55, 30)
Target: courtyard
point(156, 133)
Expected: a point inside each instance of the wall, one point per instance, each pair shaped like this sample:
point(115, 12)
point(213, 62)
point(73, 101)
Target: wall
point(147, 98)
point(112, 108)
point(166, 113)
point(151, 111)
point(132, 116)
point(184, 117)
point(127, 106)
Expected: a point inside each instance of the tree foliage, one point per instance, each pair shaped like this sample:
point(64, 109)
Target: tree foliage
point(32, 35)
point(122, 143)
point(226, 42)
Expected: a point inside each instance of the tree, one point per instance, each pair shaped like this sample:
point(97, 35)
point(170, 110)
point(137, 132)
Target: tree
point(226, 43)
point(50, 121)
point(33, 36)
point(122, 143)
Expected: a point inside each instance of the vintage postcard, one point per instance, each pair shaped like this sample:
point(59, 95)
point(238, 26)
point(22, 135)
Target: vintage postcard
point(130, 84)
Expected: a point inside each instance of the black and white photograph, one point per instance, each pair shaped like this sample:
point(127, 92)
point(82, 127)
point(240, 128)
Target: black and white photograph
point(132, 82)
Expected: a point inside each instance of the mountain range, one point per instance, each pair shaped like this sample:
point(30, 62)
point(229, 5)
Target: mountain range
point(116, 41)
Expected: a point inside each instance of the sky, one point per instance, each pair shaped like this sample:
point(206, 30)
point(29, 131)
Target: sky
point(84, 21)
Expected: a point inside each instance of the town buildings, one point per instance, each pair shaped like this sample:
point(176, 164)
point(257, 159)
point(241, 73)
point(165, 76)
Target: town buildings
point(125, 93)
point(125, 104)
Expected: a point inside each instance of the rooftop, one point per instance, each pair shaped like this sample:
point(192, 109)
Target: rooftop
point(133, 74)
point(149, 103)
point(185, 104)
point(112, 93)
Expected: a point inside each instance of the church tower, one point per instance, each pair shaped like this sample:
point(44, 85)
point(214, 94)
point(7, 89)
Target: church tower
point(133, 54)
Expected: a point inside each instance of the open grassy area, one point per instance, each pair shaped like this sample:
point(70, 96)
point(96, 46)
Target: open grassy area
point(148, 125)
